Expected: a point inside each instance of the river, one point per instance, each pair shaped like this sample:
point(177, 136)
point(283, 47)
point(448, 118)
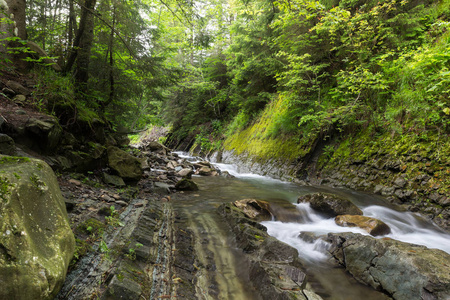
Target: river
point(327, 280)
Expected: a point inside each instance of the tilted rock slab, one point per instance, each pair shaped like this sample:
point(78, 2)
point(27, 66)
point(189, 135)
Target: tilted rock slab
point(403, 271)
point(274, 267)
point(36, 242)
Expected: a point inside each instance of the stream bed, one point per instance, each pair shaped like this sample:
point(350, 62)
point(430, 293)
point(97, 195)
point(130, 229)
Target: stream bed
point(327, 280)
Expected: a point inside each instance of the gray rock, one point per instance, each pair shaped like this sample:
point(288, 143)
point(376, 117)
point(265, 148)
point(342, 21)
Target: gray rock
point(46, 133)
point(7, 145)
point(405, 271)
point(113, 180)
point(186, 172)
point(124, 289)
point(18, 88)
point(330, 204)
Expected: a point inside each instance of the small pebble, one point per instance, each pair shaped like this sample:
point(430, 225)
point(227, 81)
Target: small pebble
point(123, 203)
point(75, 182)
point(106, 198)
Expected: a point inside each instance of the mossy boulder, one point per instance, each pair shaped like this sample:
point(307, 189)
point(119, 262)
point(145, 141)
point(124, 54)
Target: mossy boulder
point(330, 204)
point(371, 225)
point(186, 185)
point(125, 165)
point(36, 242)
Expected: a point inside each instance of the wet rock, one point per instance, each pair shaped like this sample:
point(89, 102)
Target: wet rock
point(206, 171)
point(371, 225)
point(226, 174)
point(186, 185)
point(255, 209)
point(113, 180)
point(37, 242)
point(309, 237)
point(330, 204)
point(7, 145)
point(127, 166)
point(274, 268)
point(162, 188)
point(404, 271)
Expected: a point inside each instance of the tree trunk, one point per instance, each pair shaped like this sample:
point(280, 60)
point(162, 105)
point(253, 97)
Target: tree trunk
point(13, 24)
point(84, 47)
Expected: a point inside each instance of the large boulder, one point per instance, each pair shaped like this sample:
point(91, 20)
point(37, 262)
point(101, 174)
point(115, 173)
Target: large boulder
point(330, 204)
point(45, 134)
point(404, 271)
point(36, 242)
point(255, 209)
point(156, 147)
point(127, 166)
point(371, 225)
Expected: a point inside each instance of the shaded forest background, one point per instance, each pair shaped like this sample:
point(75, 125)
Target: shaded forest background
point(213, 68)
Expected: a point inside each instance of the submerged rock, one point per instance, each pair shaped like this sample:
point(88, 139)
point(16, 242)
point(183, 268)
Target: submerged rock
point(36, 243)
point(330, 204)
point(404, 271)
point(371, 225)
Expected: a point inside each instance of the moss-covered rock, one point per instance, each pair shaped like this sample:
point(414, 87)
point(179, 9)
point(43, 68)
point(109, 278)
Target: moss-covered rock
point(186, 185)
point(7, 145)
point(127, 166)
point(36, 242)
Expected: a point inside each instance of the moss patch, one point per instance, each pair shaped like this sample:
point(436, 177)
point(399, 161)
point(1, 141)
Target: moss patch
point(262, 141)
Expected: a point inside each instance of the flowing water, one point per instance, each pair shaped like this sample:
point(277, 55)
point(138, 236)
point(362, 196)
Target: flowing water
point(328, 281)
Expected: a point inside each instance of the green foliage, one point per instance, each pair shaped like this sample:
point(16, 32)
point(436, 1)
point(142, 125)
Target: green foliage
point(114, 218)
